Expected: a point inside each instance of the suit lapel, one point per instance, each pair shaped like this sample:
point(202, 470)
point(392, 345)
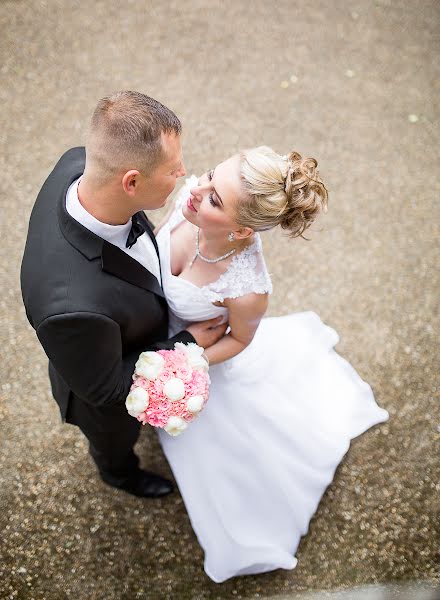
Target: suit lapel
point(116, 262)
point(149, 230)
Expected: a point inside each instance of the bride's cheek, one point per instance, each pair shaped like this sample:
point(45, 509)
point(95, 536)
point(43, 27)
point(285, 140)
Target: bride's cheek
point(208, 215)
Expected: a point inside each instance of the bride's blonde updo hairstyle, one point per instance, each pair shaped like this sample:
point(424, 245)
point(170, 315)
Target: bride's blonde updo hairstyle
point(279, 190)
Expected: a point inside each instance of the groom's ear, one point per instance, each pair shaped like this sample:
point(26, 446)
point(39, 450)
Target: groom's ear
point(243, 233)
point(130, 182)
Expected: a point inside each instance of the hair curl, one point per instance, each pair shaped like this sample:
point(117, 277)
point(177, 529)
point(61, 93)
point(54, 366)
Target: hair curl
point(279, 190)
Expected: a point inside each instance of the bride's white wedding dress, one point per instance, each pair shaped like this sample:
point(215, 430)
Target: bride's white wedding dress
point(255, 464)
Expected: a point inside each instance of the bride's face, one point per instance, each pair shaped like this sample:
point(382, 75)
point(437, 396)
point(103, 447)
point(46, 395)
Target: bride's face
point(211, 204)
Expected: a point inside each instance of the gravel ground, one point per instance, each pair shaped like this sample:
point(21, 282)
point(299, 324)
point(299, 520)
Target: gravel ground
point(355, 84)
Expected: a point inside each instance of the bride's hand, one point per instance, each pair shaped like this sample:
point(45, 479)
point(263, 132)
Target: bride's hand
point(207, 333)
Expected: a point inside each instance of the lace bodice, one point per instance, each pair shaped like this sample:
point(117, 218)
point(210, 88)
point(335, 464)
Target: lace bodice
point(246, 273)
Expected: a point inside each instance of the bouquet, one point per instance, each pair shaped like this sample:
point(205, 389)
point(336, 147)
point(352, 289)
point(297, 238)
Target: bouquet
point(170, 387)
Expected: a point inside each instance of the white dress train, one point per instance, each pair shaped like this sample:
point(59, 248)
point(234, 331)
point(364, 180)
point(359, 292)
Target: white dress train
point(253, 467)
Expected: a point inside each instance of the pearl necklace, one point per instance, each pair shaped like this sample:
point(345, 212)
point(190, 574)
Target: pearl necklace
point(208, 260)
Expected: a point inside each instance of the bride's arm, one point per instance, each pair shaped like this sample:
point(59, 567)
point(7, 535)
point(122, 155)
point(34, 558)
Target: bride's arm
point(245, 314)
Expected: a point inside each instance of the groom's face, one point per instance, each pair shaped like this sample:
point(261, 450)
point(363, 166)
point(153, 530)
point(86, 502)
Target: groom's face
point(156, 187)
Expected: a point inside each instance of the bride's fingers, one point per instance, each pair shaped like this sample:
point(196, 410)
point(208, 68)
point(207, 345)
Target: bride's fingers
point(220, 328)
point(214, 322)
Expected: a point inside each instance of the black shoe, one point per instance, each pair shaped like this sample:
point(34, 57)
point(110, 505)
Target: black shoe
point(147, 485)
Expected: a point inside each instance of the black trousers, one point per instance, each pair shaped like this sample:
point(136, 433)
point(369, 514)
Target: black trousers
point(111, 433)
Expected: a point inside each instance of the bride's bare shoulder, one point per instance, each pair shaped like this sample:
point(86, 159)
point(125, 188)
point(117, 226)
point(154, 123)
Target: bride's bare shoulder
point(249, 306)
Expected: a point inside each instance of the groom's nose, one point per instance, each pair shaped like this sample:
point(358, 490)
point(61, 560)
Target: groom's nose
point(182, 171)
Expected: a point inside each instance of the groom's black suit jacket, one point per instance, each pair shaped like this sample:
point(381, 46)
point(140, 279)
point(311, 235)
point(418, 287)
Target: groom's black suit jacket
point(93, 307)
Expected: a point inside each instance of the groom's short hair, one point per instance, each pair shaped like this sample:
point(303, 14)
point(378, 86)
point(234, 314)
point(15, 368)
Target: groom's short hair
point(126, 133)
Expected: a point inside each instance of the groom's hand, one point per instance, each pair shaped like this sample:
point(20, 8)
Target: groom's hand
point(207, 333)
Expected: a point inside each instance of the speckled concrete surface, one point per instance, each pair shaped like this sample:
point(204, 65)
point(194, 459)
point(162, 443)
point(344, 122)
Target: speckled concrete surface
point(357, 85)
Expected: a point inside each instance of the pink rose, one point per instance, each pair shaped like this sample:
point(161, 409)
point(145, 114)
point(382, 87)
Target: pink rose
point(156, 417)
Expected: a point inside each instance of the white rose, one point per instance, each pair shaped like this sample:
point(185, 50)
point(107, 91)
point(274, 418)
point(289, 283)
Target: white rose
point(174, 389)
point(194, 355)
point(175, 425)
point(149, 365)
point(195, 403)
point(137, 401)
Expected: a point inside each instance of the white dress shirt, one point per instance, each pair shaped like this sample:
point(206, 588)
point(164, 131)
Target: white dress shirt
point(143, 250)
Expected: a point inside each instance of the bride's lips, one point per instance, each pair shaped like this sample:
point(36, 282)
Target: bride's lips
point(190, 205)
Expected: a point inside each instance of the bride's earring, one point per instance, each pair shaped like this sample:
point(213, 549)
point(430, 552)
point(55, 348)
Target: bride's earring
point(231, 237)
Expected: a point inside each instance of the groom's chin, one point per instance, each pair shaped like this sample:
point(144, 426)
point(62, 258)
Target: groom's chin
point(157, 205)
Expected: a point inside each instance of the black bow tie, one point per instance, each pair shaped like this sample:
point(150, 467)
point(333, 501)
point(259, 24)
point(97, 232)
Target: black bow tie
point(137, 229)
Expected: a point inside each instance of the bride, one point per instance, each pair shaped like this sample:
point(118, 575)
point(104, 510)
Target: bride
point(283, 404)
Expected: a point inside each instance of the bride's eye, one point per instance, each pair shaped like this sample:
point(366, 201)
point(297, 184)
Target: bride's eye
point(210, 175)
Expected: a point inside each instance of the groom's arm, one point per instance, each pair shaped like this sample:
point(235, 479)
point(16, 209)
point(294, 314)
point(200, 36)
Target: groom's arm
point(86, 350)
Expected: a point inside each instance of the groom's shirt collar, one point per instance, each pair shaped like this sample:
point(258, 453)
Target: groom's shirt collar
point(115, 234)
point(143, 251)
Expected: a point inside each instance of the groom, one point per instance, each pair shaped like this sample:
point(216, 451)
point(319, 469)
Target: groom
point(91, 279)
